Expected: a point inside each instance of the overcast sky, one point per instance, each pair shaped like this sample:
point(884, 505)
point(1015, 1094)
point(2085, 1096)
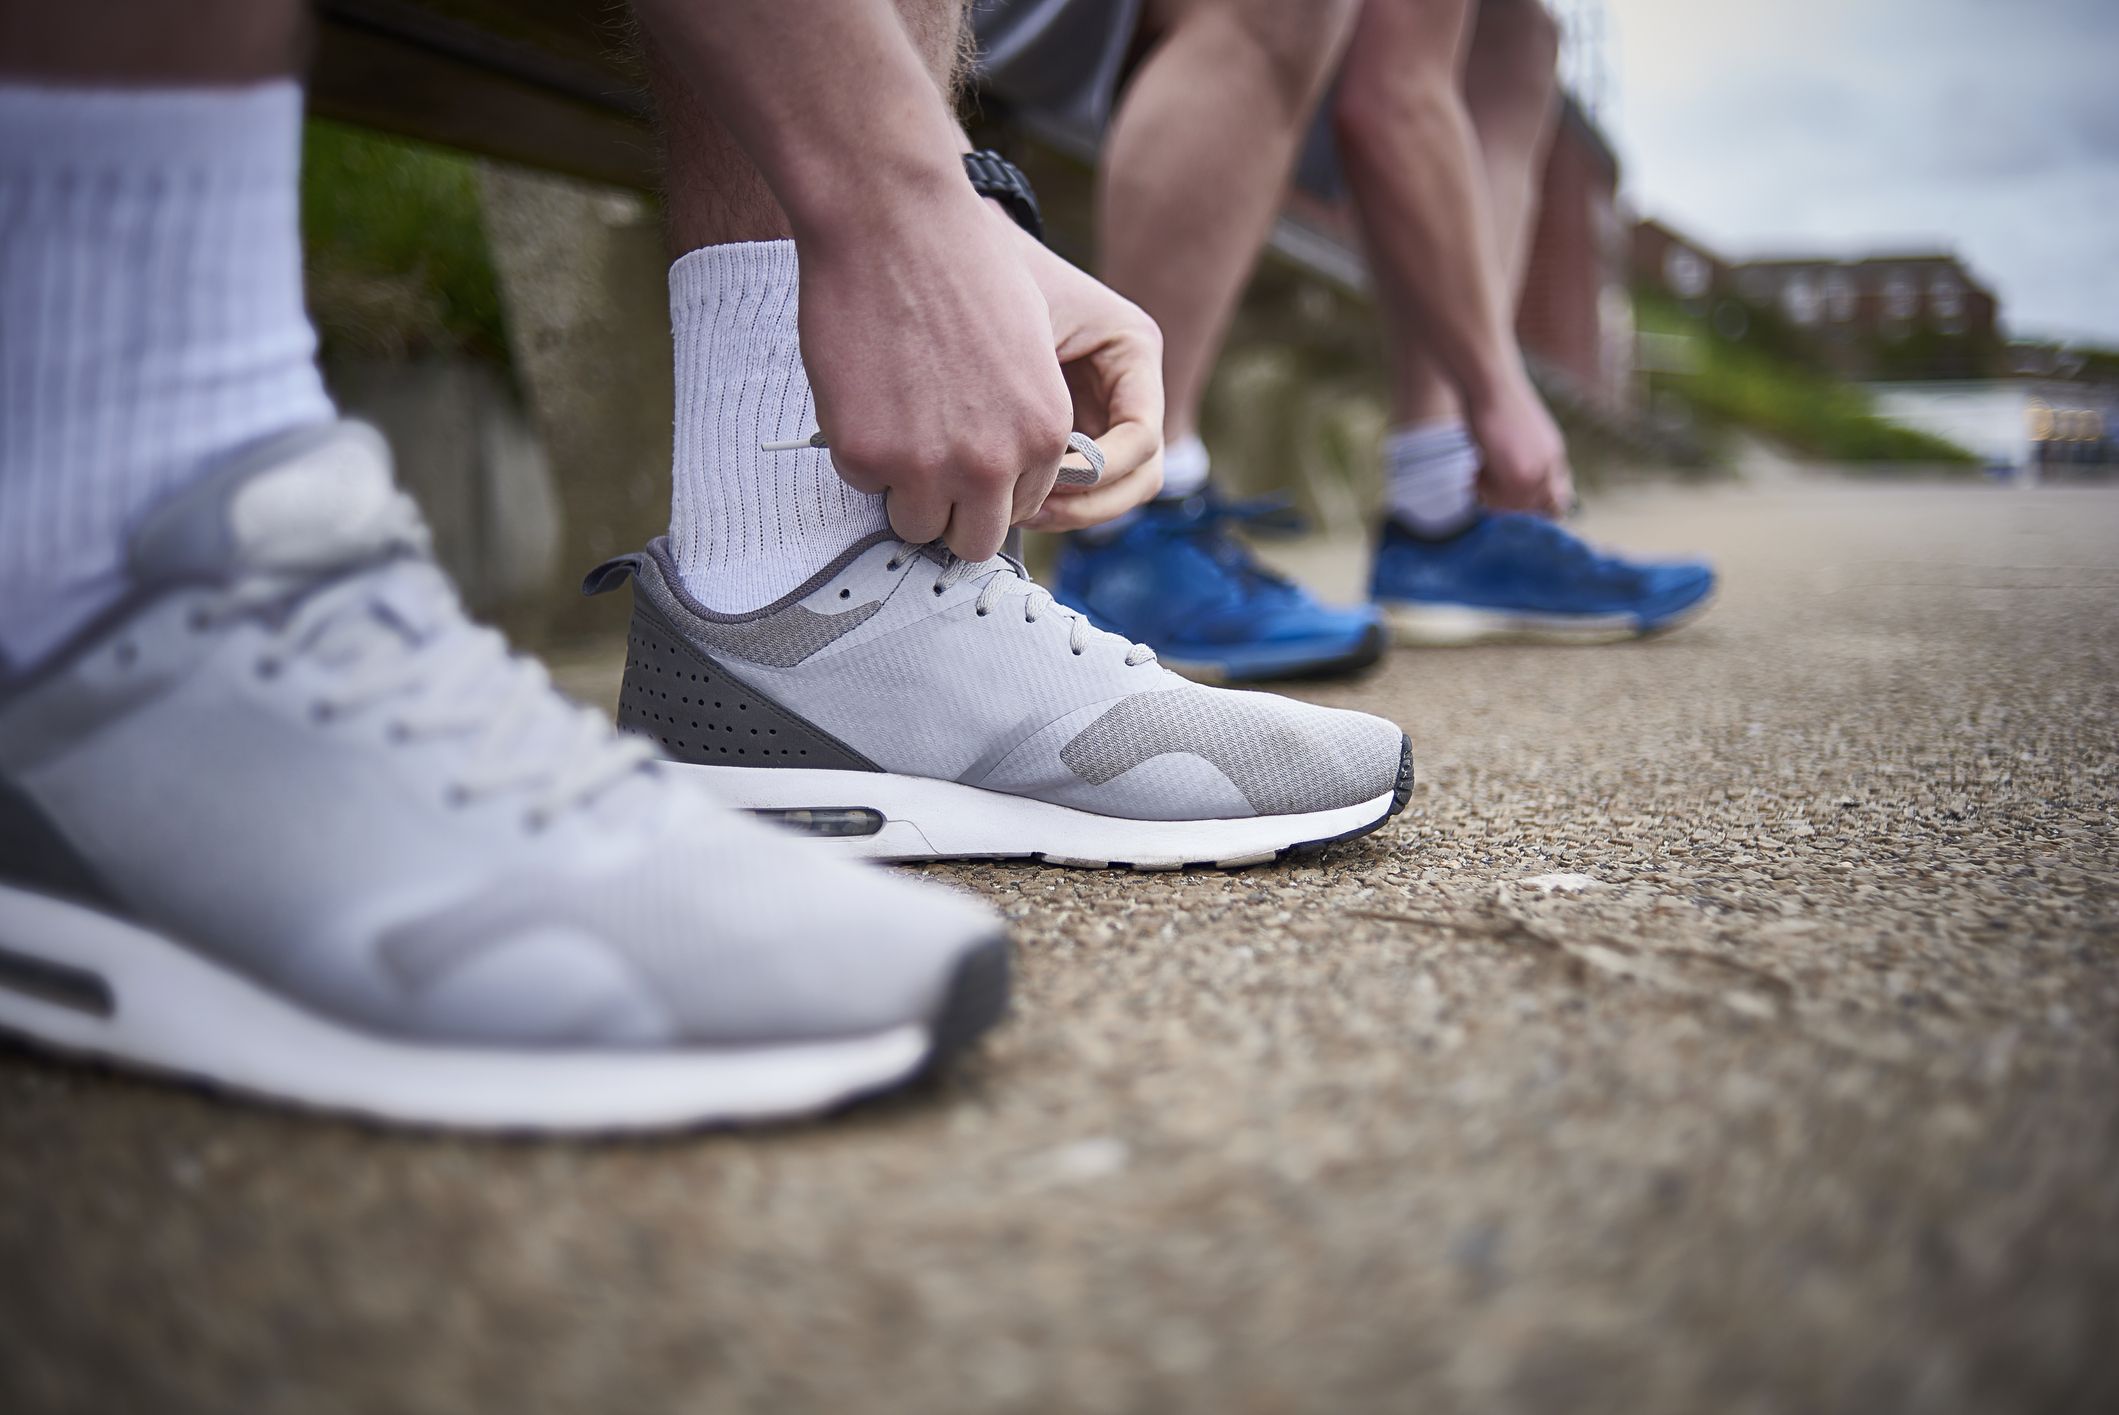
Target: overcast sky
point(1800, 126)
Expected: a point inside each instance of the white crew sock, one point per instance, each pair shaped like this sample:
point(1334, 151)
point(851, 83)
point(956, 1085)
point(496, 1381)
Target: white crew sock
point(1431, 472)
point(151, 322)
point(748, 526)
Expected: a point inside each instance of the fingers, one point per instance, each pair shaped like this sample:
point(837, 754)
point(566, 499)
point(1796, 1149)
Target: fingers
point(1128, 447)
point(1563, 490)
point(1071, 510)
point(1510, 493)
point(917, 514)
point(1031, 489)
point(968, 506)
point(977, 528)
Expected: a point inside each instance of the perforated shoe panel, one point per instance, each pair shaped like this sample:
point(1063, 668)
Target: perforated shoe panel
point(698, 713)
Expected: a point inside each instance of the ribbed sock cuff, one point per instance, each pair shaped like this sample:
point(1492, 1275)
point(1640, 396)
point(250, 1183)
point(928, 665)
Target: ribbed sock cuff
point(252, 130)
point(1431, 472)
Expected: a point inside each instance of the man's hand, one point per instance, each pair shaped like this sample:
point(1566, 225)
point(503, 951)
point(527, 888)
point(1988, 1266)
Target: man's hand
point(1112, 356)
point(1524, 456)
point(930, 352)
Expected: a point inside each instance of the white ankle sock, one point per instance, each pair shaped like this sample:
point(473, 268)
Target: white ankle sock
point(1185, 468)
point(151, 322)
point(748, 526)
point(1431, 471)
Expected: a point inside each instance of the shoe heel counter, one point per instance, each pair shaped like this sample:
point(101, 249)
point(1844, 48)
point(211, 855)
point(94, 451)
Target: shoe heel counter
point(700, 713)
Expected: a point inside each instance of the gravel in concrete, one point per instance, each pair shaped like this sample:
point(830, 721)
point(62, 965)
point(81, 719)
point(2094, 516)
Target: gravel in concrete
point(1731, 1023)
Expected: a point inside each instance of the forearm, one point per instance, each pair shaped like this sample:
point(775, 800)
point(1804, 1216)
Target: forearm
point(837, 117)
point(1413, 161)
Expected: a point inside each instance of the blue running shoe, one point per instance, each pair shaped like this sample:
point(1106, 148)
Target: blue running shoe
point(1509, 577)
point(1175, 578)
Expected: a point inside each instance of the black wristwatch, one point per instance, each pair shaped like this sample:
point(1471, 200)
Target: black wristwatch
point(993, 175)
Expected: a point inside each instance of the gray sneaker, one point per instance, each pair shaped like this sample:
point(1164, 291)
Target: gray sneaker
point(287, 822)
point(910, 706)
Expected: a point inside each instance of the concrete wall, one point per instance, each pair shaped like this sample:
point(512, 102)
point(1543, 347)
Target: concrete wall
point(466, 452)
point(585, 279)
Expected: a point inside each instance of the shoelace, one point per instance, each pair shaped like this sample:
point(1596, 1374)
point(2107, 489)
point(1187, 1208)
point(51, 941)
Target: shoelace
point(460, 680)
point(1208, 519)
point(1003, 578)
point(1005, 575)
point(1561, 546)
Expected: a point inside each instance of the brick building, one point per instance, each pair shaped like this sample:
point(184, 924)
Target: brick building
point(1669, 261)
point(1920, 315)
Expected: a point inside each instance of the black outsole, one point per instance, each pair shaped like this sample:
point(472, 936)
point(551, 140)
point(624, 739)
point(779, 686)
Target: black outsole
point(976, 1002)
point(1401, 793)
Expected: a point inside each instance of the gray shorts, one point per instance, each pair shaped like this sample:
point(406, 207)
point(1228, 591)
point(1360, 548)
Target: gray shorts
point(1059, 63)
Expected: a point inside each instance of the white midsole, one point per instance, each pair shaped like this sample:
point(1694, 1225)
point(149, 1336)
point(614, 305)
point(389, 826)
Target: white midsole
point(179, 1012)
point(1455, 625)
point(929, 819)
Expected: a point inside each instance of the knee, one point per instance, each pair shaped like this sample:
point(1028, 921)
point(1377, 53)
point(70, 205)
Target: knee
point(1298, 45)
point(1388, 99)
point(1514, 60)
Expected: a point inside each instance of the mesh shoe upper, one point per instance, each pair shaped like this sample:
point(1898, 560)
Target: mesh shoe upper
point(920, 664)
point(1176, 578)
point(292, 752)
point(1512, 561)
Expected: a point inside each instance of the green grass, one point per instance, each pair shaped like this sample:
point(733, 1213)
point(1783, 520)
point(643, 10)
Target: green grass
point(396, 248)
point(1736, 384)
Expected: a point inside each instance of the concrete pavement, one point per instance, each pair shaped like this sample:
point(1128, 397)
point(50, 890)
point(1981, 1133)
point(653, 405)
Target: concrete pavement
point(1731, 1023)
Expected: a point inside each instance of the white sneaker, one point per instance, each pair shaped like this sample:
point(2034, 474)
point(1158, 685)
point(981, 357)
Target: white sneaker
point(288, 823)
point(910, 706)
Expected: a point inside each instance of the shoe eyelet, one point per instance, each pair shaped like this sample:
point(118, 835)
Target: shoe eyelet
point(937, 589)
point(984, 612)
point(892, 564)
point(397, 733)
point(535, 822)
point(1077, 653)
point(321, 713)
point(845, 594)
point(268, 668)
point(456, 798)
point(199, 621)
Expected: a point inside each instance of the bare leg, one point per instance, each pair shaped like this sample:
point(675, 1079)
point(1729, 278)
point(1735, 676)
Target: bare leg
point(715, 195)
point(1412, 159)
point(1503, 70)
point(1445, 220)
point(149, 41)
point(1512, 91)
point(1197, 162)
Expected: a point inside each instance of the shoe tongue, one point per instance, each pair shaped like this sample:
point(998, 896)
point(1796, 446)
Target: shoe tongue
point(304, 503)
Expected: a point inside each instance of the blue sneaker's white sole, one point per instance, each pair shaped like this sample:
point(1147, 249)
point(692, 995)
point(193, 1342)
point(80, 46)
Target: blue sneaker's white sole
point(1418, 625)
point(81, 982)
point(874, 815)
